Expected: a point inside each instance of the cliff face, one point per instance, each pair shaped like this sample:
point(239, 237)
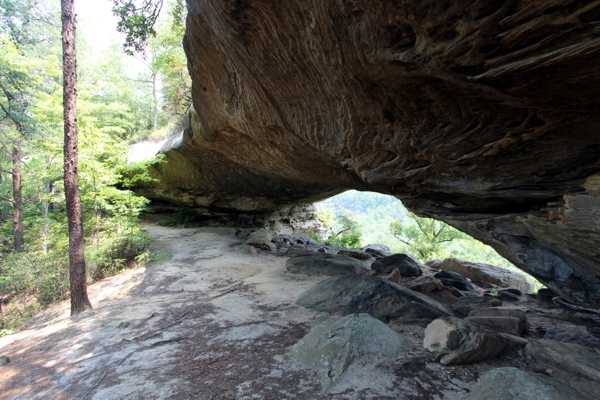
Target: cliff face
point(484, 114)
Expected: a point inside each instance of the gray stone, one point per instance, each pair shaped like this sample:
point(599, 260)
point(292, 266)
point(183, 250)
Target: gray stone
point(244, 249)
point(576, 334)
point(4, 360)
point(502, 312)
point(405, 263)
point(359, 255)
point(424, 284)
point(454, 279)
point(455, 342)
point(294, 249)
point(502, 277)
point(515, 384)
point(377, 250)
point(261, 239)
point(465, 305)
point(510, 325)
point(546, 295)
point(378, 297)
point(314, 263)
point(333, 344)
point(573, 358)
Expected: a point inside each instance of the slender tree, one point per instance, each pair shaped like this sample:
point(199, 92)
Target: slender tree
point(79, 297)
point(17, 199)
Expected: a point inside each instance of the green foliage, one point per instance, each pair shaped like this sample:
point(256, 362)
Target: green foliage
point(316, 237)
point(348, 233)
point(136, 21)
point(425, 236)
point(326, 215)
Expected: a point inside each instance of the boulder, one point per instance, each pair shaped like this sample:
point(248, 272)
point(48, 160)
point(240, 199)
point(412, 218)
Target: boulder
point(454, 279)
point(455, 342)
point(359, 255)
point(333, 344)
point(489, 273)
point(261, 239)
point(517, 384)
point(466, 305)
point(245, 249)
point(510, 325)
point(315, 263)
point(378, 297)
point(502, 312)
point(406, 264)
point(424, 284)
point(377, 250)
point(295, 248)
point(573, 358)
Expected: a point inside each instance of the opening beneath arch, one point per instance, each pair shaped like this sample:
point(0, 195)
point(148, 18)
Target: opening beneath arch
point(357, 219)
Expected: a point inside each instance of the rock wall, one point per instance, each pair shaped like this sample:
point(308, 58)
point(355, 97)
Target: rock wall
point(484, 114)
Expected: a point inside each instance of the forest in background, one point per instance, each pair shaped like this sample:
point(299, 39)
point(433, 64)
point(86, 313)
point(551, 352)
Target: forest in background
point(116, 106)
point(378, 217)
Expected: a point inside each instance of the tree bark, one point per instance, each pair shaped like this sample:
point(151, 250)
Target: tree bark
point(17, 199)
point(79, 297)
point(155, 101)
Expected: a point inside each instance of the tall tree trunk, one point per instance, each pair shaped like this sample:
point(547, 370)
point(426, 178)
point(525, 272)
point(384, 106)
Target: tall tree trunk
point(79, 297)
point(17, 199)
point(155, 100)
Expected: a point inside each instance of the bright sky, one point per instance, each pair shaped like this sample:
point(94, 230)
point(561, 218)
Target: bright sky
point(97, 22)
point(98, 25)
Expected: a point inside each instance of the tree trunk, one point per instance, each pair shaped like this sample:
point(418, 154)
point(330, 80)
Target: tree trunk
point(17, 199)
point(155, 100)
point(79, 297)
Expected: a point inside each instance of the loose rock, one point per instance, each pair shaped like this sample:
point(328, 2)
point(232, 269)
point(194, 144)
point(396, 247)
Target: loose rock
point(516, 384)
point(4, 360)
point(377, 250)
point(314, 263)
point(510, 325)
point(261, 239)
point(378, 297)
point(488, 273)
point(455, 342)
point(405, 263)
point(454, 279)
point(333, 344)
point(467, 304)
point(424, 284)
point(502, 312)
point(359, 255)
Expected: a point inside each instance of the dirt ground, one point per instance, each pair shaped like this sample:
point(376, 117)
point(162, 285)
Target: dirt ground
point(209, 323)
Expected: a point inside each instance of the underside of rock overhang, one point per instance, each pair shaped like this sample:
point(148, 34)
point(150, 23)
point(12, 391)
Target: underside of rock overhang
point(484, 114)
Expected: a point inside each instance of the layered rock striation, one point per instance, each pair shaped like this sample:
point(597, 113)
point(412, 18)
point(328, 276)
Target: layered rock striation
point(483, 114)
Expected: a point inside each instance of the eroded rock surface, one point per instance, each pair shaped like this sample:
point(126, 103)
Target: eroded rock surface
point(378, 297)
point(514, 383)
point(333, 344)
point(481, 114)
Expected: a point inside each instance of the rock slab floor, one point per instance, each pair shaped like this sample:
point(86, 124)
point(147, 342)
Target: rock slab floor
point(208, 323)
